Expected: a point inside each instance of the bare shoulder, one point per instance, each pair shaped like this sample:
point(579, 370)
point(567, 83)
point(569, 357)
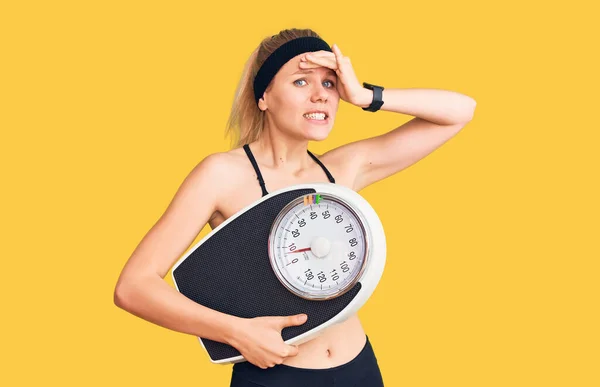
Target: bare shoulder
point(188, 212)
point(212, 165)
point(343, 163)
point(229, 171)
point(220, 166)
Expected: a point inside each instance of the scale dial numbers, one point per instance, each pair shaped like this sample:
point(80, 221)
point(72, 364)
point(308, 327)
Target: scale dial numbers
point(318, 246)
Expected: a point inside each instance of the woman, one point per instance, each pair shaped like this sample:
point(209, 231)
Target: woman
point(288, 96)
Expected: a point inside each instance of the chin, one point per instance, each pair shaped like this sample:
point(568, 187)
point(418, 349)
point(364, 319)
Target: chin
point(317, 135)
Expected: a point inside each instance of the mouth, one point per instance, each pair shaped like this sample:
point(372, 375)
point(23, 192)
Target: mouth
point(319, 118)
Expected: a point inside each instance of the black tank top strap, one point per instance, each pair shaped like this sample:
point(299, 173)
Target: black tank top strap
point(255, 165)
point(261, 181)
point(329, 176)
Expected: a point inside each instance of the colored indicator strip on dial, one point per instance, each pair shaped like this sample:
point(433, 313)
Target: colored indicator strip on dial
point(312, 199)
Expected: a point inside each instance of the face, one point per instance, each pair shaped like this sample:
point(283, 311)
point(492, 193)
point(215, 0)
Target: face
point(294, 92)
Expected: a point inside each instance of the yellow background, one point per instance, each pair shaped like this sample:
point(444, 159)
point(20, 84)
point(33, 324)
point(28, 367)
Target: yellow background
point(492, 273)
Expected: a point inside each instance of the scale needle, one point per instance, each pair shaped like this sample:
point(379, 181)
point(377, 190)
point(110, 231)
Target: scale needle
point(300, 250)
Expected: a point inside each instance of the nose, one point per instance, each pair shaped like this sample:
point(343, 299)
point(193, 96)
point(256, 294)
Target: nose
point(319, 93)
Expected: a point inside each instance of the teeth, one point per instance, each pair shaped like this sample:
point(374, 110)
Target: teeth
point(315, 116)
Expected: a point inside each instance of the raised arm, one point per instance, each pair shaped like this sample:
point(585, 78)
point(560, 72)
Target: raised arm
point(439, 116)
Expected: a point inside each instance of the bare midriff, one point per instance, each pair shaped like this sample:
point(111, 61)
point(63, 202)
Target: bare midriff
point(336, 345)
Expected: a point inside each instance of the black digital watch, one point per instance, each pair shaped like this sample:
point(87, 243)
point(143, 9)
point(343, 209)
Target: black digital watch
point(377, 102)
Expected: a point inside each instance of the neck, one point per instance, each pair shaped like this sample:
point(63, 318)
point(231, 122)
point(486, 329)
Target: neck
point(279, 151)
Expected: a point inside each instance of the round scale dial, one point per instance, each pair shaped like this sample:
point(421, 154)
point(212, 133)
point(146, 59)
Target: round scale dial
point(318, 246)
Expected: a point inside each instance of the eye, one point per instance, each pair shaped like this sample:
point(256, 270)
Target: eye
point(304, 80)
point(298, 80)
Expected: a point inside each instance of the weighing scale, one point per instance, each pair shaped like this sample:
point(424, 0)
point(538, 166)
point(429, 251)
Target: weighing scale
point(317, 249)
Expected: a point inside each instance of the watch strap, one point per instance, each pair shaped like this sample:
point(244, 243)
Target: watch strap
point(377, 102)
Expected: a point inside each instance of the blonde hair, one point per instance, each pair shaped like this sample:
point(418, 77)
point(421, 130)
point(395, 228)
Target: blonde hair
point(246, 120)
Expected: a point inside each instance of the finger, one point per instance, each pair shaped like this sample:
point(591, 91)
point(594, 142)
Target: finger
point(303, 58)
point(339, 57)
point(309, 65)
point(298, 319)
point(323, 61)
point(311, 57)
point(292, 350)
point(338, 54)
point(321, 53)
point(336, 50)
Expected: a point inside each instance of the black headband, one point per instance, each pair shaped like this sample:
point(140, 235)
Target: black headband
point(281, 56)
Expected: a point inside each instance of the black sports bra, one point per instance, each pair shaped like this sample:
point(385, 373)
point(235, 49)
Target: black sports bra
point(260, 178)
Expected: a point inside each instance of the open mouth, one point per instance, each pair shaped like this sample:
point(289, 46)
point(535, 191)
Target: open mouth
point(317, 118)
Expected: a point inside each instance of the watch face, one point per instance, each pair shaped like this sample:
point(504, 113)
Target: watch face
point(318, 250)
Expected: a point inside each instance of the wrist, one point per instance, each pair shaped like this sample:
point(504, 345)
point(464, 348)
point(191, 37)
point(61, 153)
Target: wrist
point(365, 98)
point(232, 328)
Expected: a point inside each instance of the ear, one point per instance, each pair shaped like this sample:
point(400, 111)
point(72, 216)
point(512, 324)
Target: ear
point(262, 105)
